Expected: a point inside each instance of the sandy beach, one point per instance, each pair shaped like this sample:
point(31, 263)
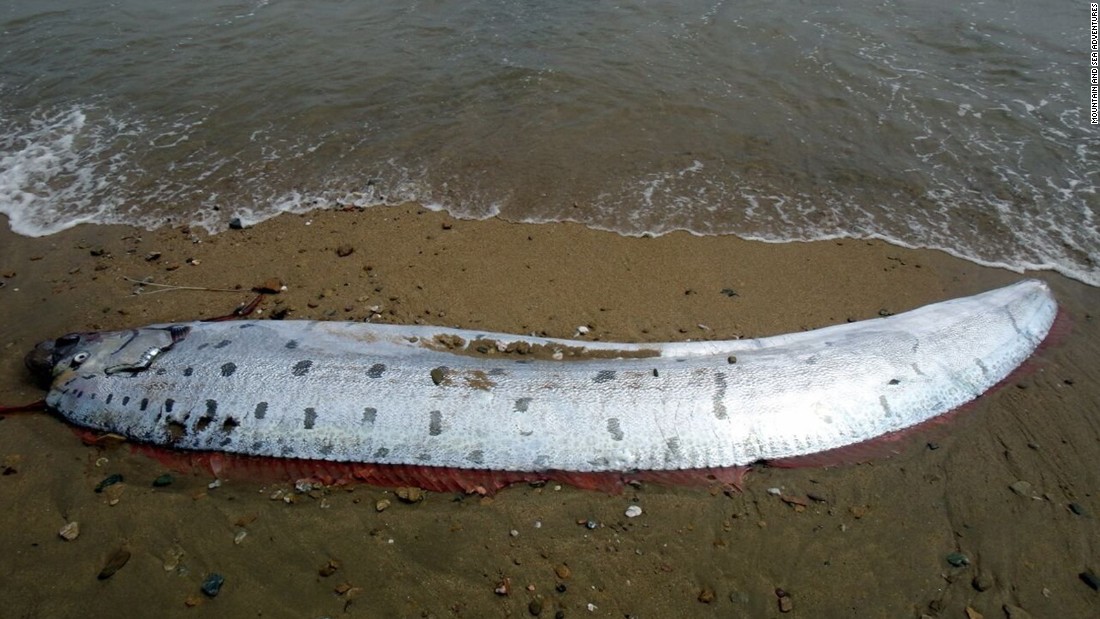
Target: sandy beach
point(867, 540)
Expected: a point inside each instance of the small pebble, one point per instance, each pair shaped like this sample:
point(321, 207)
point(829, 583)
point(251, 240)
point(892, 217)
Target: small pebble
point(1077, 509)
point(1089, 578)
point(535, 607)
point(1015, 612)
point(983, 581)
point(381, 505)
point(328, 569)
point(786, 604)
point(633, 511)
point(562, 571)
point(108, 481)
point(513, 533)
point(239, 537)
point(410, 494)
point(70, 531)
point(213, 584)
point(591, 524)
point(775, 491)
point(706, 596)
point(114, 563)
point(958, 559)
point(236, 224)
point(1021, 488)
point(163, 480)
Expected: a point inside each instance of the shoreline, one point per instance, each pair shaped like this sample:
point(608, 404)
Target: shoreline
point(414, 265)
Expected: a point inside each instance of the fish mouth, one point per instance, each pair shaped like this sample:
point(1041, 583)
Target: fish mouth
point(40, 362)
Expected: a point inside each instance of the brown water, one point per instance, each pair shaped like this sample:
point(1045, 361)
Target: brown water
point(926, 124)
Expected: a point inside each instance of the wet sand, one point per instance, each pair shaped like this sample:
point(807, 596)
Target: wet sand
point(871, 540)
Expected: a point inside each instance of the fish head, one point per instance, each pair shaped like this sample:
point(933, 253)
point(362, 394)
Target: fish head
point(101, 352)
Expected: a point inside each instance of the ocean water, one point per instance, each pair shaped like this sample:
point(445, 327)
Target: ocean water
point(928, 124)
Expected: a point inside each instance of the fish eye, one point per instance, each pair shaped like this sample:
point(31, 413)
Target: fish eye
point(79, 358)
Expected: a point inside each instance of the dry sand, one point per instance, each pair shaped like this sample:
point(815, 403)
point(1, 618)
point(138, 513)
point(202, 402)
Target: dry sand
point(875, 545)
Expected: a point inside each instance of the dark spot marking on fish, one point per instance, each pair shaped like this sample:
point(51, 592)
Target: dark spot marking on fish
point(369, 414)
point(225, 442)
point(885, 406)
point(211, 407)
point(168, 404)
point(601, 463)
point(158, 417)
point(110, 396)
point(917, 369)
point(144, 404)
point(381, 452)
point(203, 423)
point(719, 405)
point(222, 344)
point(286, 451)
point(302, 367)
point(246, 325)
point(326, 449)
point(257, 445)
point(376, 370)
point(497, 372)
point(261, 410)
point(604, 376)
point(310, 418)
point(228, 369)
point(292, 344)
point(522, 404)
point(202, 346)
point(125, 400)
point(176, 430)
point(476, 456)
point(526, 432)
point(93, 395)
point(229, 424)
point(79, 393)
point(435, 426)
point(188, 371)
point(424, 457)
point(614, 429)
point(161, 371)
point(542, 462)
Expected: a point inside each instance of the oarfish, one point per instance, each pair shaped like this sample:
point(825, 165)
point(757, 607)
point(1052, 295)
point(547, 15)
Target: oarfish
point(436, 397)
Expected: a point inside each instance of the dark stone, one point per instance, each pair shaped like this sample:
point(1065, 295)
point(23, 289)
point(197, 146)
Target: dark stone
point(108, 481)
point(212, 585)
point(236, 224)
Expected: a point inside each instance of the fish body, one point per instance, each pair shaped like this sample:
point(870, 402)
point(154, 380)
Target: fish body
point(438, 397)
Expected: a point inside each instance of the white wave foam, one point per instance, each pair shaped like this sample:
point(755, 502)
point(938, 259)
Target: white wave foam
point(55, 169)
